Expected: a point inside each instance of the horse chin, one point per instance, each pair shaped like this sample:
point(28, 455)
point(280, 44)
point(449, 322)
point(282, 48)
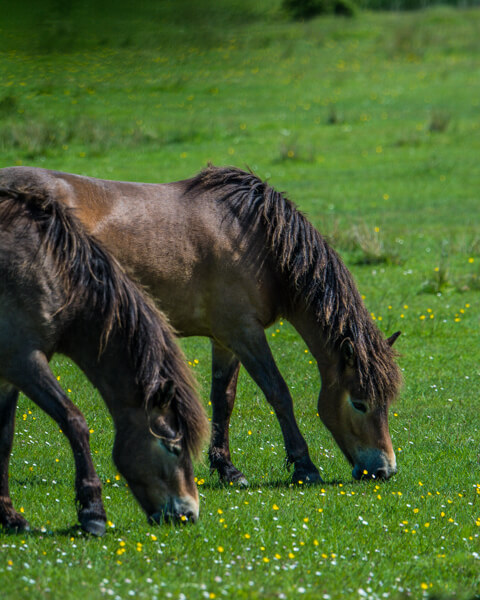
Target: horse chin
point(178, 511)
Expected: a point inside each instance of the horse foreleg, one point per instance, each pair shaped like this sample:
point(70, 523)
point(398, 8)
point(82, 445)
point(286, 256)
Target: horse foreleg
point(255, 354)
point(35, 379)
point(9, 517)
point(225, 368)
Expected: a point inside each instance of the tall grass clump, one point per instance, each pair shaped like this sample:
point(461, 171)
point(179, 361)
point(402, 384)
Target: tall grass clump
point(439, 121)
point(366, 244)
point(8, 106)
point(43, 137)
point(439, 281)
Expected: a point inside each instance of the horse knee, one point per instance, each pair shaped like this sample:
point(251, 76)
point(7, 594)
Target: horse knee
point(77, 426)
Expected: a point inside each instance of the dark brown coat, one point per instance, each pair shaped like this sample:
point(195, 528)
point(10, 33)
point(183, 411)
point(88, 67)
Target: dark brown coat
point(225, 255)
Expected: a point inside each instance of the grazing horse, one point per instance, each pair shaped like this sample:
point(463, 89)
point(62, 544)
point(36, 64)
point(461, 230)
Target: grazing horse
point(225, 255)
point(60, 291)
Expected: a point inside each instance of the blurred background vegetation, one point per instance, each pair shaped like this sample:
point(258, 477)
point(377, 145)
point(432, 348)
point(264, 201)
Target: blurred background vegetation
point(65, 25)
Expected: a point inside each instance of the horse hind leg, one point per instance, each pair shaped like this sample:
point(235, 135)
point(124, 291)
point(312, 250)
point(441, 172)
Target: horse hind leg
point(37, 381)
point(225, 369)
point(10, 519)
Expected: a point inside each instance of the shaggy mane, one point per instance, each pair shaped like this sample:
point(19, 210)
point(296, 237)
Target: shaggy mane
point(92, 276)
point(313, 272)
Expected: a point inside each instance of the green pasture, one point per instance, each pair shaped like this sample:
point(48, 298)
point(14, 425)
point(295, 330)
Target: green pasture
point(372, 126)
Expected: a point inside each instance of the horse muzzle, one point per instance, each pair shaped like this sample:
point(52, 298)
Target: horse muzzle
point(374, 465)
point(178, 511)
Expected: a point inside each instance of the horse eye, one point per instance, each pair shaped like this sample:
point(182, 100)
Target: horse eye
point(167, 437)
point(360, 406)
point(172, 447)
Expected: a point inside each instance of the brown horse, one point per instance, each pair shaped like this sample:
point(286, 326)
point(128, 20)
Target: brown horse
point(60, 291)
point(225, 255)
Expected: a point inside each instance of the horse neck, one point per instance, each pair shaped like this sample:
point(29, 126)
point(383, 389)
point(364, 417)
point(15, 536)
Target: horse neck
point(111, 371)
point(313, 334)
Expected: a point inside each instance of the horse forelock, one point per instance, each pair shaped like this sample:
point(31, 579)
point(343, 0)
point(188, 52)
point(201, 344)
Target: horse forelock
point(92, 276)
point(378, 374)
point(171, 366)
point(315, 276)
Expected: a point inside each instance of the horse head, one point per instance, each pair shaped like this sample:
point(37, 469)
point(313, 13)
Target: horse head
point(357, 419)
point(153, 454)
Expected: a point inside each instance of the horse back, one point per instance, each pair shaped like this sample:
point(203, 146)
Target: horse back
point(201, 267)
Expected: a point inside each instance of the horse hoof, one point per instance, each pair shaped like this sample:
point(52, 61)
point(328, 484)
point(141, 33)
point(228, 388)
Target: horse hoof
point(17, 527)
point(232, 476)
point(15, 524)
point(238, 481)
point(95, 527)
point(306, 478)
point(241, 482)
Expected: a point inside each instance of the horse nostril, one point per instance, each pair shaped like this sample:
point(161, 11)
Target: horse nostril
point(180, 518)
point(178, 513)
point(187, 517)
point(384, 474)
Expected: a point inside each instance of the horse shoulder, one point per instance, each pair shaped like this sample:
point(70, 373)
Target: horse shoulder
point(30, 296)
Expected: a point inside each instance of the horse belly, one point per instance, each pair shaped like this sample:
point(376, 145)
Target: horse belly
point(200, 297)
point(202, 284)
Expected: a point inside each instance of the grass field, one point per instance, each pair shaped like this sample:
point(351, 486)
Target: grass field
point(372, 126)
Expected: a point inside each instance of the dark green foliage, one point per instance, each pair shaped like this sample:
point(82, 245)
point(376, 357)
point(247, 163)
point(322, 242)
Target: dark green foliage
point(307, 9)
point(413, 4)
point(8, 105)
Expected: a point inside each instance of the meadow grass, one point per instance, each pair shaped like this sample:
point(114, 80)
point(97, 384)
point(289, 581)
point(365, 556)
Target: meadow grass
point(371, 126)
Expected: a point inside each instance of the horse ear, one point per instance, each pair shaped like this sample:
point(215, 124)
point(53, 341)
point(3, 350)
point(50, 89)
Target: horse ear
point(348, 352)
point(167, 392)
point(391, 340)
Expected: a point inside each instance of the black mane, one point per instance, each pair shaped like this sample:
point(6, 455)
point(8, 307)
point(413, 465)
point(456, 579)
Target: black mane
point(91, 275)
point(313, 272)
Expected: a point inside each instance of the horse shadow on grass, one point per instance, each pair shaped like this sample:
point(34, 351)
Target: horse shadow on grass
point(41, 532)
point(274, 483)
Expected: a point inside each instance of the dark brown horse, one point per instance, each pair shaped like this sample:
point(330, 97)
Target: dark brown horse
point(225, 255)
point(60, 291)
